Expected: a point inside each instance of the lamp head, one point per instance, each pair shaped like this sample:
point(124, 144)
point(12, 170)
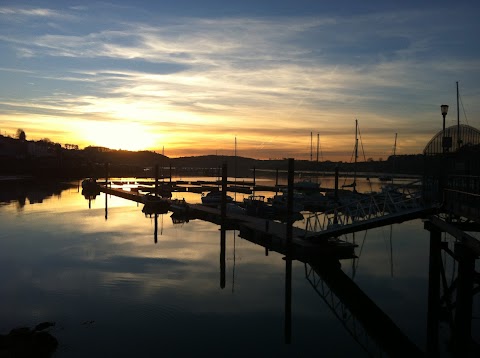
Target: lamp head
point(444, 108)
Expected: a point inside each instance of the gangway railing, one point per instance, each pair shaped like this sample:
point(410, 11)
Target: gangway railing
point(369, 325)
point(349, 321)
point(363, 208)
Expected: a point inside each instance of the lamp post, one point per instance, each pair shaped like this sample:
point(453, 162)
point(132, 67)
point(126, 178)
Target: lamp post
point(444, 108)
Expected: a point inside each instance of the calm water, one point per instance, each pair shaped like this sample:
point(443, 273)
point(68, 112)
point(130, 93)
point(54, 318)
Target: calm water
point(113, 291)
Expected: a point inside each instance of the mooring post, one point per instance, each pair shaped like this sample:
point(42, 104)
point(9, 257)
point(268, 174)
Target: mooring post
point(276, 181)
point(170, 173)
point(336, 183)
point(156, 179)
point(222, 256)
point(106, 207)
point(106, 174)
point(155, 231)
point(223, 207)
point(335, 218)
point(288, 259)
point(291, 174)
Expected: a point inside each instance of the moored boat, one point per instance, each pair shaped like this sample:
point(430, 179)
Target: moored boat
point(255, 205)
point(155, 205)
point(89, 184)
point(215, 198)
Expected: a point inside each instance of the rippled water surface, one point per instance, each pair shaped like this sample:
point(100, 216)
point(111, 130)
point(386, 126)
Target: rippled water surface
point(113, 291)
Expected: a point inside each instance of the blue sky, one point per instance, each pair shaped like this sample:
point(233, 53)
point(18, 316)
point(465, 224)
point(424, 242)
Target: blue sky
point(187, 77)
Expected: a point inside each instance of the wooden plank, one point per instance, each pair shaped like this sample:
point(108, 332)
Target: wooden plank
point(123, 194)
point(471, 242)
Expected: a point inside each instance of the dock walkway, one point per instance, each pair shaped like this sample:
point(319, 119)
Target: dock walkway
point(129, 195)
point(265, 232)
point(273, 234)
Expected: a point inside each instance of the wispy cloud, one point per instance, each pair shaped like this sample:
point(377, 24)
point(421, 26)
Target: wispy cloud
point(277, 77)
point(30, 12)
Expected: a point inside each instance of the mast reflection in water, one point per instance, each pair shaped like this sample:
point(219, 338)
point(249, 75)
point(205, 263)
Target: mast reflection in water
point(113, 291)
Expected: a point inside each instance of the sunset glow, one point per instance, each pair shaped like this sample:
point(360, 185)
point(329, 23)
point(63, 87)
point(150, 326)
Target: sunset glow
point(189, 79)
point(126, 136)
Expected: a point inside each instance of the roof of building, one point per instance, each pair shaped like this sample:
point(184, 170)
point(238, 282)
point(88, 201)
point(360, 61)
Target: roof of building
point(461, 136)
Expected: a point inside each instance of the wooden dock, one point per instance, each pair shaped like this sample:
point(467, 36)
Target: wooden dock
point(129, 195)
point(265, 232)
point(272, 235)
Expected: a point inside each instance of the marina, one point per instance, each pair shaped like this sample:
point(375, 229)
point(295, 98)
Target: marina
point(328, 260)
point(162, 193)
point(319, 241)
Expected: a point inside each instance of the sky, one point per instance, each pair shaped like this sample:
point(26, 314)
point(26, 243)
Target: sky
point(262, 79)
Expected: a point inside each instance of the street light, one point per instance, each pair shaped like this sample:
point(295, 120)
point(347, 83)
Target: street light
point(444, 108)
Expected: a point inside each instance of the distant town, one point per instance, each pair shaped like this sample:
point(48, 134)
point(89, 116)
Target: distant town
point(44, 158)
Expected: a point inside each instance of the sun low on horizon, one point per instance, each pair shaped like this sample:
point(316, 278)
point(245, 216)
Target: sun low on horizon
point(191, 77)
point(123, 135)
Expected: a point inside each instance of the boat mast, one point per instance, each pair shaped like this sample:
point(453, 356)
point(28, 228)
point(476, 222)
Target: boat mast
point(354, 184)
point(235, 192)
point(394, 153)
point(459, 141)
point(311, 146)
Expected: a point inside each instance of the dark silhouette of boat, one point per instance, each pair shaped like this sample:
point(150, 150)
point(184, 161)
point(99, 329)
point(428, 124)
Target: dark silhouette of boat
point(90, 184)
point(255, 205)
point(215, 198)
point(155, 205)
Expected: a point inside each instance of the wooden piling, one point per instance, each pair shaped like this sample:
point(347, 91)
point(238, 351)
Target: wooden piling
point(224, 193)
point(106, 174)
point(156, 179)
point(336, 183)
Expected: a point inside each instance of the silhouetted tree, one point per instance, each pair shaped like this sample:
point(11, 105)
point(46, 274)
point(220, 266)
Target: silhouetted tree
point(21, 134)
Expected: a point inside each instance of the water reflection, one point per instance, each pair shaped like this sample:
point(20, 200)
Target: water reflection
point(35, 192)
point(144, 295)
point(91, 194)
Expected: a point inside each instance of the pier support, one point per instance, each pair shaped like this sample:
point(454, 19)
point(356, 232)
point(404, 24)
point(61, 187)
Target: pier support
point(155, 231)
point(156, 179)
point(223, 206)
point(466, 251)
point(106, 174)
point(223, 216)
point(463, 309)
point(222, 256)
point(336, 183)
point(276, 181)
point(288, 259)
point(106, 206)
point(433, 289)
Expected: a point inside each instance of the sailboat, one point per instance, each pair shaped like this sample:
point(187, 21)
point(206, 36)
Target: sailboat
point(389, 177)
point(353, 184)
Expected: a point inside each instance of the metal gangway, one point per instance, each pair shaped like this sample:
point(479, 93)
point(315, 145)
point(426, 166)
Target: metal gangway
point(368, 325)
point(367, 211)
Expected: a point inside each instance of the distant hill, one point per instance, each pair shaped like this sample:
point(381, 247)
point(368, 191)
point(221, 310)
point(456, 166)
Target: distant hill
point(45, 158)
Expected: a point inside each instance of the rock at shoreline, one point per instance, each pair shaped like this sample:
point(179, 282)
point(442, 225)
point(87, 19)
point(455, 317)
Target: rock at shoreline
point(25, 342)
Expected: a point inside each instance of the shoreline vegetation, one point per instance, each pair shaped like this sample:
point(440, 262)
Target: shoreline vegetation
point(19, 157)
